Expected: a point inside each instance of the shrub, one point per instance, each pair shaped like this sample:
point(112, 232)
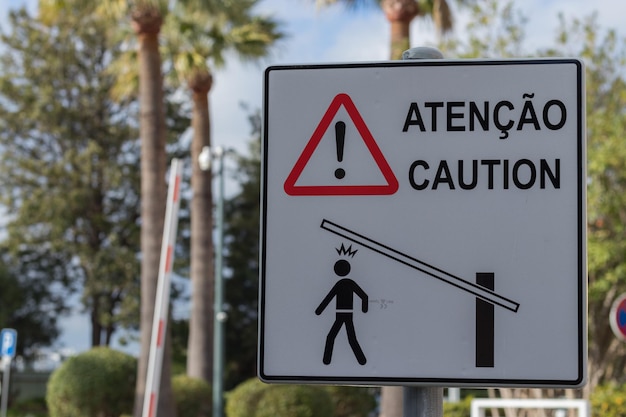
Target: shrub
point(97, 383)
point(352, 401)
point(458, 409)
point(32, 407)
point(295, 401)
point(192, 396)
point(253, 398)
point(243, 400)
point(609, 401)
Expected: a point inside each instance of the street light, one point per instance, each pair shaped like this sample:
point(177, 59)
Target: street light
point(219, 318)
point(204, 159)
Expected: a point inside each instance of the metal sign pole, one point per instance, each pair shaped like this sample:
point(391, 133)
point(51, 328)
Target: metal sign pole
point(423, 402)
point(418, 401)
point(6, 363)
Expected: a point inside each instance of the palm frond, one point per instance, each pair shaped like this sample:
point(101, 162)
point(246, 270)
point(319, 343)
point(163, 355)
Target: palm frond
point(126, 76)
point(197, 37)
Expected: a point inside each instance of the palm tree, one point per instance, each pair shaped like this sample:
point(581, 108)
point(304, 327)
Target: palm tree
point(146, 18)
point(198, 41)
point(400, 14)
point(200, 342)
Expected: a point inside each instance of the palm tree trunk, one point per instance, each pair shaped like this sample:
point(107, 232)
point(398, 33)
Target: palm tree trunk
point(200, 344)
point(400, 40)
point(153, 200)
point(399, 14)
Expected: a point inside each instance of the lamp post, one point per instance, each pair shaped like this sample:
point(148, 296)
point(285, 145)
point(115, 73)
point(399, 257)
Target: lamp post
point(219, 317)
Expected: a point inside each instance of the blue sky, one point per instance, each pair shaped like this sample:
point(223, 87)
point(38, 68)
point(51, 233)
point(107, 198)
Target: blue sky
point(334, 34)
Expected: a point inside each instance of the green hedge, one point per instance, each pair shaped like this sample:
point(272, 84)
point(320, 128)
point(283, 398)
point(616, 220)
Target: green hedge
point(32, 407)
point(192, 396)
point(458, 409)
point(609, 401)
point(352, 401)
point(243, 401)
point(253, 398)
point(97, 383)
point(295, 401)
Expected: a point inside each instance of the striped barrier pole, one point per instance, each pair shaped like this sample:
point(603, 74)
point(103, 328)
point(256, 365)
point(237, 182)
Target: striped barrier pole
point(161, 305)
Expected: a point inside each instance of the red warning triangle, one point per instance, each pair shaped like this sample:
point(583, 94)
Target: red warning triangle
point(392, 183)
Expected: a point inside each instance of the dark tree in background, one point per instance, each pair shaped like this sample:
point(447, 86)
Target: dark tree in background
point(69, 164)
point(28, 304)
point(241, 234)
point(69, 160)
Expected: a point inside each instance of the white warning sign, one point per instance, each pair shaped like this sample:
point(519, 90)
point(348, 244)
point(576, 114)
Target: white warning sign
point(423, 222)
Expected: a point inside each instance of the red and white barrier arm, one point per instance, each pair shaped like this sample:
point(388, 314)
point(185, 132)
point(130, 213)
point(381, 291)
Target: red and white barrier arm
point(161, 305)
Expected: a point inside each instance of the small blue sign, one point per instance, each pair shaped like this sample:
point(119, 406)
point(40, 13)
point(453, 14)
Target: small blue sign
point(8, 342)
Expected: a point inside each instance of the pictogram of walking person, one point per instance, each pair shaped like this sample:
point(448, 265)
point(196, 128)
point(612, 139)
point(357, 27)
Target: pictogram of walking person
point(343, 291)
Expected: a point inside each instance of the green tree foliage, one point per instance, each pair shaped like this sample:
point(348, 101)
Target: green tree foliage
point(69, 163)
point(180, 335)
point(496, 30)
point(97, 383)
point(71, 167)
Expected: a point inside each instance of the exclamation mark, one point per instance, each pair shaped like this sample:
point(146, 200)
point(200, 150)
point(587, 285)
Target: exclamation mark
point(340, 136)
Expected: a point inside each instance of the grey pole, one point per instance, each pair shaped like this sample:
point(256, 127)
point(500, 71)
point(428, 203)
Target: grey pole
point(422, 402)
point(220, 315)
point(6, 363)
